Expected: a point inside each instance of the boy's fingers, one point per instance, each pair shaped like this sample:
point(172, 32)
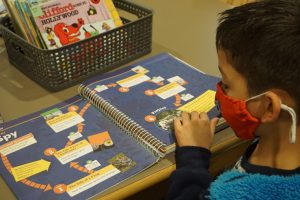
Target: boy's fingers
point(194, 115)
point(203, 116)
point(213, 124)
point(185, 117)
point(177, 123)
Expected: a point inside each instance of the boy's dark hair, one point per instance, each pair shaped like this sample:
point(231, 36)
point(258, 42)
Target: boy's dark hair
point(262, 42)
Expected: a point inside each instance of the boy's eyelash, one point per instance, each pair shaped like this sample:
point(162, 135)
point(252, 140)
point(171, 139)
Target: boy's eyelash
point(224, 86)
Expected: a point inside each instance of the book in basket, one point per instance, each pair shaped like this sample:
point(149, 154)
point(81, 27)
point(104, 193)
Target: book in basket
point(63, 22)
point(119, 125)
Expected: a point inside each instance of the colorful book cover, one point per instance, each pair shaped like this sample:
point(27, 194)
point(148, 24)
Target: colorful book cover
point(2, 7)
point(16, 19)
point(25, 13)
point(65, 22)
point(24, 24)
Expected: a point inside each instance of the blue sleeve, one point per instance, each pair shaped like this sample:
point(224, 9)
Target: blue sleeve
point(191, 179)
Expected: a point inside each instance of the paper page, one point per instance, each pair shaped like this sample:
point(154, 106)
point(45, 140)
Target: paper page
point(152, 92)
point(79, 162)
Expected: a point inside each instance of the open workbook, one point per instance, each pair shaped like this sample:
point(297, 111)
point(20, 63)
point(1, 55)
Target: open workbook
point(120, 124)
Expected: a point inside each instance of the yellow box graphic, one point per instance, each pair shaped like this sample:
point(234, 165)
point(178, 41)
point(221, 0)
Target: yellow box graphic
point(71, 148)
point(61, 118)
point(166, 88)
point(130, 78)
point(203, 103)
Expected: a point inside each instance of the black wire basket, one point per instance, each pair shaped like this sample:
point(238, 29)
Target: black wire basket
point(66, 66)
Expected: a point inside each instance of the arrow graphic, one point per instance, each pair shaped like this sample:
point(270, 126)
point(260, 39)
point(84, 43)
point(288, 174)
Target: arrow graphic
point(80, 125)
point(178, 100)
point(33, 184)
point(69, 143)
point(27, 182)
point(111, 85)
point(80, 168)
point(81, 113)
point(6, 163)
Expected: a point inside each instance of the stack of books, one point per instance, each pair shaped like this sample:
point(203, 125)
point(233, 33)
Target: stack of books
point(2, 8)
point(50, 24)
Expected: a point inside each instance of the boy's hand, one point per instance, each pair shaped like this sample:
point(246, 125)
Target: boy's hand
point(195, 129)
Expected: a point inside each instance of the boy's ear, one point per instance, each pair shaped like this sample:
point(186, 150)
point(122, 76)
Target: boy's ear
point(271, 106)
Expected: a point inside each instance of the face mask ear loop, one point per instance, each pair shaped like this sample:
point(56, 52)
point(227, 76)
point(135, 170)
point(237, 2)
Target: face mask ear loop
point(256, 96)
point(294, 122)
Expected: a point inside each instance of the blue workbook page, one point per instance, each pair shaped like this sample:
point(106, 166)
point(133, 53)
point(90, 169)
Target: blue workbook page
point(152, 92)
point(68, 151)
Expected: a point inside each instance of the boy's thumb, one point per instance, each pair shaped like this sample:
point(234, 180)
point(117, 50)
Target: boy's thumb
point(213, 124)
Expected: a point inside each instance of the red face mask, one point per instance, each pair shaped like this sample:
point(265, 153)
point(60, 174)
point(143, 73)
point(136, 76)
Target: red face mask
point(241, 121)
point(235, 112)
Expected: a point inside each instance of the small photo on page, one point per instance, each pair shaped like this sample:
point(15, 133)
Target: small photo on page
point(140, 69)
point(165, 119)
point(100, 141)
point(52, 114)
point(92, 164)
point(122, 162)
point(100, 88)
point(186, 97)
point(60, 121)
point(157, 79)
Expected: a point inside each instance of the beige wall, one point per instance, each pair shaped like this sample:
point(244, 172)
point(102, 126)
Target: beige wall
point(192, 35)
point(238, 2)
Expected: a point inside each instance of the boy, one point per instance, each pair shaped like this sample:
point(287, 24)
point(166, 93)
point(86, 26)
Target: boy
point(258, 48)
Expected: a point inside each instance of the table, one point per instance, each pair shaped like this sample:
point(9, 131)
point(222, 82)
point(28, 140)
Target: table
point(186, 30)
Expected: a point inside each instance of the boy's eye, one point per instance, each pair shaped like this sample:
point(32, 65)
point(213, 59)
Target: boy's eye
point(224, 86)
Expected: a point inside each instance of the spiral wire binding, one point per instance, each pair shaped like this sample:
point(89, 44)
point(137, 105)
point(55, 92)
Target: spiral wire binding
point(124, 122)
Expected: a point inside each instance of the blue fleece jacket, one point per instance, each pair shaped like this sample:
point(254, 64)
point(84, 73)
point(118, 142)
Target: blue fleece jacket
point(241, 185)
point(191, 179)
